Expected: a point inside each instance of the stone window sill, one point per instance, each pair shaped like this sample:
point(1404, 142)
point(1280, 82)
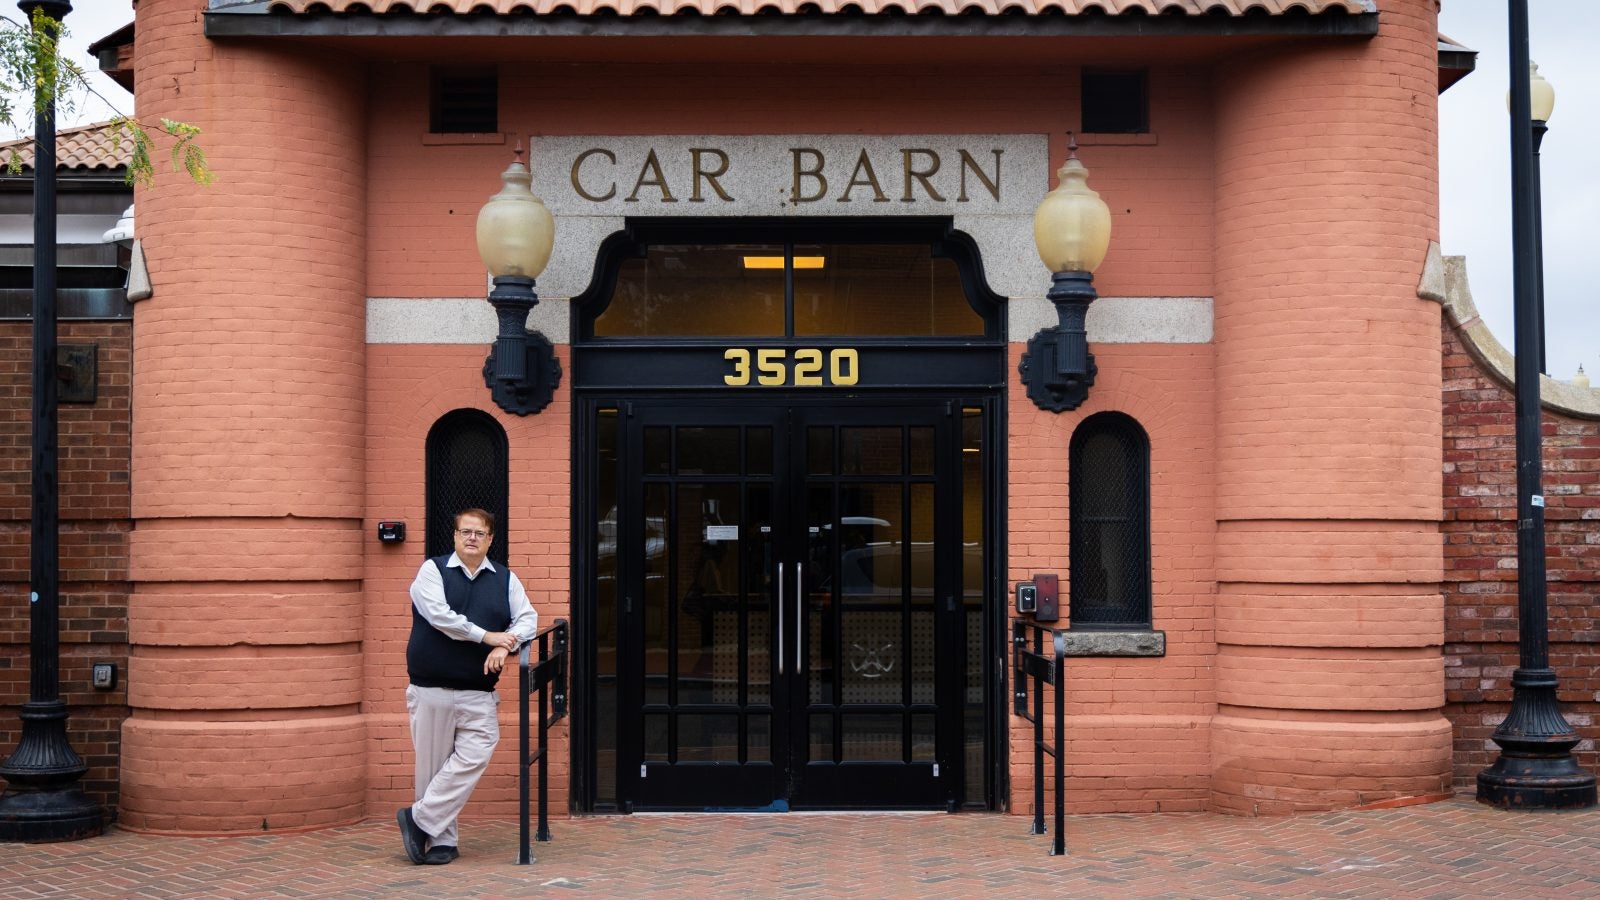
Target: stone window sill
point(431, 139)
point(1110, 139)
point(1115, 643)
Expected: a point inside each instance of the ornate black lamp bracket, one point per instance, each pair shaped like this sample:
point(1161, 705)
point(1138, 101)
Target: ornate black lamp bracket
point(522, 371)
point(1058, 368)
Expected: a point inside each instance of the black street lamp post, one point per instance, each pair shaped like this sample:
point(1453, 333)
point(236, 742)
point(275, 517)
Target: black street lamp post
point(1536, 768)
point(1539, 128)
point(1541, 103)
point(43, 801)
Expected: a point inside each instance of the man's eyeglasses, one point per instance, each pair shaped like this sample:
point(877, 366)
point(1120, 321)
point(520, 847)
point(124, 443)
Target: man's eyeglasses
point(472, 533)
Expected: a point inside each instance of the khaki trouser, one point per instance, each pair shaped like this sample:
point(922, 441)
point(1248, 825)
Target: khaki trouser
point(454, 733)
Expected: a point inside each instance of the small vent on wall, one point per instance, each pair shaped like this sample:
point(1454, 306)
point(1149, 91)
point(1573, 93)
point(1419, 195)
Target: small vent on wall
point(1115, 102)
point(465, 101)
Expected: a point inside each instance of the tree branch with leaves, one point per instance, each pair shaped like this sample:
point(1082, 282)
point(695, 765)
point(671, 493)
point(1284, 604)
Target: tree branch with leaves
point(31, 63)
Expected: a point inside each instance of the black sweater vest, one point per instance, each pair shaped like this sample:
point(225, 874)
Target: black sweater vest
point(433, 658)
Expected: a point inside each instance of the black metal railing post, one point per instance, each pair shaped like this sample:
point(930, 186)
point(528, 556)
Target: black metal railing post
point(1033, 663)
point(549, 672)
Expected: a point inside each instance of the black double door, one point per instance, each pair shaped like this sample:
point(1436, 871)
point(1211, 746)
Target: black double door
point(792, 629)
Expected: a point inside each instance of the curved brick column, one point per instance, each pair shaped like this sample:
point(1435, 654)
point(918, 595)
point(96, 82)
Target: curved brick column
point(245, 677)
point(1329, 625)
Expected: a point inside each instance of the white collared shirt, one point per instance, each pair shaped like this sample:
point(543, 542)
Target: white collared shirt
point(427, 595)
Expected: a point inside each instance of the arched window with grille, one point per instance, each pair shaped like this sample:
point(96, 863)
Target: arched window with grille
point(467, 452)
point(1110, 547)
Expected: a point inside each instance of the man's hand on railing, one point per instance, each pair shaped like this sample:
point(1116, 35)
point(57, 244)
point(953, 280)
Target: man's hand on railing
point(500, 639)
point(496, 660)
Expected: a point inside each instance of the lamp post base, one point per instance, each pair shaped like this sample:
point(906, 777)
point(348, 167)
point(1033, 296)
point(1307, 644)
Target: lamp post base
point(43, 802)
point(1536, 768)
point(49, 816)
point(1536, 782)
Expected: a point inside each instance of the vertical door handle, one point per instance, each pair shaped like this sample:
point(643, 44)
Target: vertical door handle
point(799, 611)
point(780, 619)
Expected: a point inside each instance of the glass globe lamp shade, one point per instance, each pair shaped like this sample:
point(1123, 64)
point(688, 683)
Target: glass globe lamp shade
point(1072, 227)
point(1541, 95)
point(515, 230)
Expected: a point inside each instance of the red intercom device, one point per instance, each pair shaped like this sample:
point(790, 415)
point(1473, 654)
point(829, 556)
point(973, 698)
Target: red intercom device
point(1049, 598)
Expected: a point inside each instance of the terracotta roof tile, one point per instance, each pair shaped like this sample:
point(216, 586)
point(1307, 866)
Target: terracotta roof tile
point(82, 147)
point(828, 7)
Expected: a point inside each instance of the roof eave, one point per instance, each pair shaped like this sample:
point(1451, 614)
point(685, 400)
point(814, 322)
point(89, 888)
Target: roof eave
point(1456, 61)
point(249, 23)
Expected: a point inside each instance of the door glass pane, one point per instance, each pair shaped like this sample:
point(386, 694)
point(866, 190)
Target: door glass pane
point(869, 451)
point(683, 290)
point(972, 512)
point(759, 739)
point(922, 441)
point(922, 665)
point(874, 737)
point(922, 738)
point(605, 627)
point(708, 451)
point(821, 738)
point(879, 289)
point(874, 667)
point(819, 451)
point(708, 738)
point(819, 592)
point(655, 737)
point(654, 607)
point(760, 570)
point(921, 593)
point(657, 450)
point(871, 552)
point(708, 578)
point(758, 453)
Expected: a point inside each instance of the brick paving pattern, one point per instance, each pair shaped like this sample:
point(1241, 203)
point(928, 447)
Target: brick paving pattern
point(1450, 849)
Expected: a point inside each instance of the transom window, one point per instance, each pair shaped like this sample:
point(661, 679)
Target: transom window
point(789, 289)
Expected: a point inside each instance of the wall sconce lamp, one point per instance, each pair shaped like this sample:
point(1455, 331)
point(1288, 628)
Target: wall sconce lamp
point(515, 236)
point(1072, 229)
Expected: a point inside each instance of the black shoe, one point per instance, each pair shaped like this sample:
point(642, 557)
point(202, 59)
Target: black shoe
point(413, 837)
point(440, 854)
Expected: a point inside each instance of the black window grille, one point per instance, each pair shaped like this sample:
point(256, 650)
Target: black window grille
point(1115, 102)
point(464, 101)
point(1110, 546)
point(467, 452)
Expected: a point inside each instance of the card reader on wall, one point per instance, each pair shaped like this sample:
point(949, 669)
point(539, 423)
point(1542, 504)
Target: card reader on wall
point(391, 532)
point(1049, 587)
point(1027, 598)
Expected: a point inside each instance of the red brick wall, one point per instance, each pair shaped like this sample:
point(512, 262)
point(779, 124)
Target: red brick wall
point(1480, 499)
point(93, 442)
point(422, 383)
point(1327, 489)
point(1138, 736)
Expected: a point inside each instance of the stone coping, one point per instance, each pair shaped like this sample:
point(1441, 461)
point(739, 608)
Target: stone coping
point(1444, 279)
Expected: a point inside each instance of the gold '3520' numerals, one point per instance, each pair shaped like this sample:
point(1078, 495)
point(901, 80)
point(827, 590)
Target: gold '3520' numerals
point(773, 367)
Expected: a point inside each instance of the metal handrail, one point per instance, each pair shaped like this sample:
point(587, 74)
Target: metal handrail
point(1044, 669)
point(549, 672)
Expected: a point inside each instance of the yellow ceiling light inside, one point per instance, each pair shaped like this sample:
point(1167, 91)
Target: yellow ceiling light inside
point(776, 262)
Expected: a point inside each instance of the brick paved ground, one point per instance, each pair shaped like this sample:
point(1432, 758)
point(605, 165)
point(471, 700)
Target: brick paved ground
point(1450, 849)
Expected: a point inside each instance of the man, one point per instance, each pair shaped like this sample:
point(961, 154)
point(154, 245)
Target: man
point(467, 617)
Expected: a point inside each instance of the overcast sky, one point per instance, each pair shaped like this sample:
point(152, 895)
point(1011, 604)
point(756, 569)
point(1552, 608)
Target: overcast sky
point(1474, 159)
point(1475, 166)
